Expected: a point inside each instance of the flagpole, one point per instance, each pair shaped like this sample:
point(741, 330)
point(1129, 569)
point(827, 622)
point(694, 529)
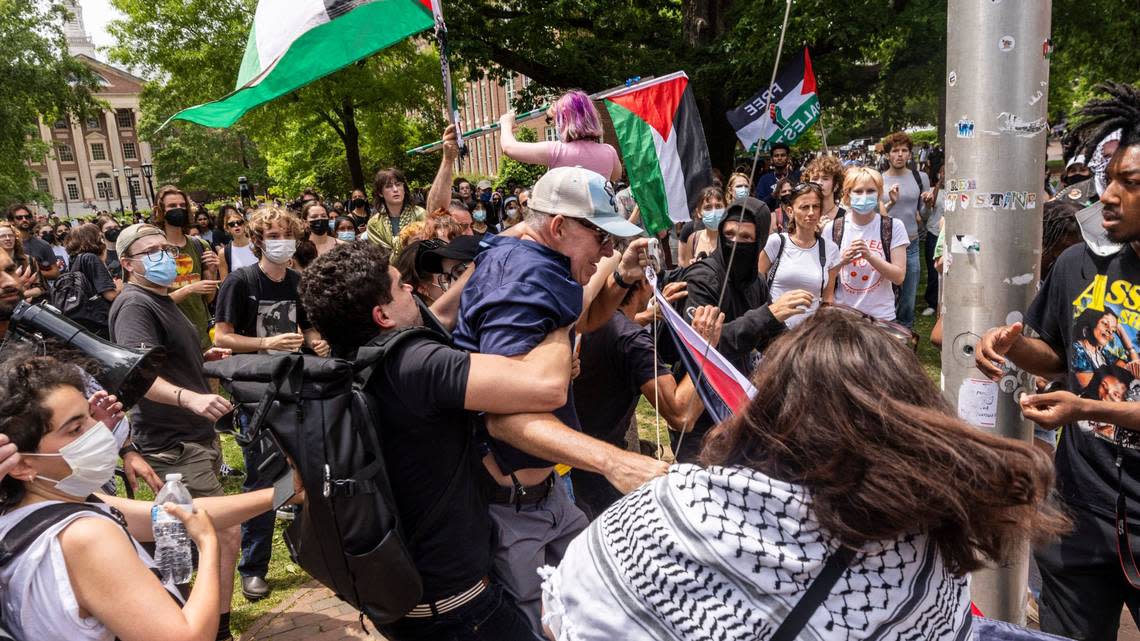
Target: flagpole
point(450, 104)
point(823, 130)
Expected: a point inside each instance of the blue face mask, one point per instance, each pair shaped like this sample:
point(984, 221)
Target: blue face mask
point(740, 191)
point(865, 203)
point(161, 273)
point(346, 236)
point(712, 217)
point(479, 215)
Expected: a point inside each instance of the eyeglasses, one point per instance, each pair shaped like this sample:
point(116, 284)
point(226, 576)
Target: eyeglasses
point(457, 271)
point(903, 334)
point(234, 224)
point(155, 255)
point(602, 236)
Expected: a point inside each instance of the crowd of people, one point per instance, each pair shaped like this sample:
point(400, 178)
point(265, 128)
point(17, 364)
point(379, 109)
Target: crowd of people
point(509, 429)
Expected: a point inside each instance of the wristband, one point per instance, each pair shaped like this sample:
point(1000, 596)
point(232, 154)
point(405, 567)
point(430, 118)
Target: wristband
point(621, 283)
point(127, 449)
point(178, 396)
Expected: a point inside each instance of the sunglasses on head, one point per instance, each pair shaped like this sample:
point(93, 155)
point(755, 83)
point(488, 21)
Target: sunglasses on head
point(903, 334)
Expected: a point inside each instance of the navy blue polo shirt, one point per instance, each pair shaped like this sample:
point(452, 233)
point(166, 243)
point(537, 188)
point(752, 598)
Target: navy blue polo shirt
point(520, 292)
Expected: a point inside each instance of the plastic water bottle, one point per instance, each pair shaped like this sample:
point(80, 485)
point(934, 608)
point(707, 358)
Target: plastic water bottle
point(172, 544)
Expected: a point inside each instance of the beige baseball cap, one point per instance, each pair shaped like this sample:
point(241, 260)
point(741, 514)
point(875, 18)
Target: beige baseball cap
point(128, 236)
point(577, 192)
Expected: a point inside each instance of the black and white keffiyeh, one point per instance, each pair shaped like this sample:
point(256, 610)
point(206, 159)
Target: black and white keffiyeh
point(723, 554)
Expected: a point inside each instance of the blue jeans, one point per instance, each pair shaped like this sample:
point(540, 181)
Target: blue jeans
point(256, 533)
point(492, 616)
point(904, 309)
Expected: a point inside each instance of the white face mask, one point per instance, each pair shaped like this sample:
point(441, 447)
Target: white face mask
point(92, 459)
point(280, 251)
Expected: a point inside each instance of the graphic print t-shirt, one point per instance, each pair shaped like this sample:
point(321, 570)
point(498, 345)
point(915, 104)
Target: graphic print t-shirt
point(189, 271)
point(269, 310)
point(860, 285)
point(1088, 311)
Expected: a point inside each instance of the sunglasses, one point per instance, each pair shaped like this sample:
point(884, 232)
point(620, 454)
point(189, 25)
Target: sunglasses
point(21, 217)
point(234, 224)
point(899, 332)
point(602, 236)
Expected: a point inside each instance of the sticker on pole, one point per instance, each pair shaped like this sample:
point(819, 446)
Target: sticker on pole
point(977, 402)
point(1006, 44)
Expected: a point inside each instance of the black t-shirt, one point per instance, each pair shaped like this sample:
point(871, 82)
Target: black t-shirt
point(690, 228)
point(426, 437)
point(271, 308)
point(41, 251)
point(616, 361)
point(142, 318)
point(95, 271)
point(1089, 316)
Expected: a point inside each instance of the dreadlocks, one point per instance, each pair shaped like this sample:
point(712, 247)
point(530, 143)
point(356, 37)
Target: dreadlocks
point(1102, 116)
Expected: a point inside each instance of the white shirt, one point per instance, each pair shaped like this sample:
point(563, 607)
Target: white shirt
point(241, 256)
point(800, 268)
point(859, 285)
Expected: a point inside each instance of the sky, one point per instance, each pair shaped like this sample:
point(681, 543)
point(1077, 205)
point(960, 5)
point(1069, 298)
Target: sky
point(96, 15)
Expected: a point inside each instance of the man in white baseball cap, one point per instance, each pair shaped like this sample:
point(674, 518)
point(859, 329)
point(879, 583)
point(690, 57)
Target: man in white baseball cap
point(522, 289)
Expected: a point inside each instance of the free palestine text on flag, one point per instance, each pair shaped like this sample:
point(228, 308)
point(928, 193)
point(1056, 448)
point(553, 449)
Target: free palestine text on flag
point(794, 107)
point(295, 42)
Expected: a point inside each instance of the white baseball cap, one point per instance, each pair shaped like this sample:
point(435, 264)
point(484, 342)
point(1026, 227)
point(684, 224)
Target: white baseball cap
point(577, 192)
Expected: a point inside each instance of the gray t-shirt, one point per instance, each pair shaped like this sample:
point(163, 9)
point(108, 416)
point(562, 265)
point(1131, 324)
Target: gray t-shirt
point(909, 201)
point(141, 318)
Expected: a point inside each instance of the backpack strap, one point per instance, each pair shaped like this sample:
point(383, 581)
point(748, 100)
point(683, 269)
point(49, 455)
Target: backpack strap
point(776, 262)
point(815, 595)
point(229, 254)
point(288, 376)
point(33, 526)
point(886, 235)
point(837, 231)
point(822, 264)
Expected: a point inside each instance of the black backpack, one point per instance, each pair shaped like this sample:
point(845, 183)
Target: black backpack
point(348, 534)
point(74, 295)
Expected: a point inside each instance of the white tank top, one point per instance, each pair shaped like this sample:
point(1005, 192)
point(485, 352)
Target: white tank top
point(241, 256)
point(35, 588)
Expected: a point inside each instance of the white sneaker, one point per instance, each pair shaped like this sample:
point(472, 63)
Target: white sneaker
point(929, 311)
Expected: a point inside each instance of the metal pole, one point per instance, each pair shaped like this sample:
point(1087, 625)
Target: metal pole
point(997, 87)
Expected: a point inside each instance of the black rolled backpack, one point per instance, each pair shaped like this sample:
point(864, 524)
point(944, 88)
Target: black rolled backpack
point(347, 535)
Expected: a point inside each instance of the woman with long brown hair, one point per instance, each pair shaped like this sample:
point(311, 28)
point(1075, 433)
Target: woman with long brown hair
point(28, 270)
point(848, 457)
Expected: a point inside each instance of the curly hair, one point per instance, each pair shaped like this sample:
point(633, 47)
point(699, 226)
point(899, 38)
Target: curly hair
point(265, 218)
point(827, 166)
point(340, 289)
point(25, 382)
point(897, 139)
point(85, 239)
point(880, 449)
point(1102, 116)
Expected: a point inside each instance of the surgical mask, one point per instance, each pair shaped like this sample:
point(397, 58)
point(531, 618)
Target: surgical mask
point(161, 273)
point(346, 236)
point(280, 251)
point(865, 203)
point(740, 191)
point(176, 217)
point(712, 217)
point(91, 457)
point(479, 215)
point(512, 212)
point(319, 227)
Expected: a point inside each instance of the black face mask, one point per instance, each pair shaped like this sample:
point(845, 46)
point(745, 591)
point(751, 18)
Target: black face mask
point(111, 234)
point(1073, 179)
point(319, 227)
point(359, 203)
point(48, 237)
point(176, 217)
point(743, 268)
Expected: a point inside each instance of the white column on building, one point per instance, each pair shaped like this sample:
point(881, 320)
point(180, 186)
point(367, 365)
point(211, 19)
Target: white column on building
point(82, 163)
point(116, 155)
point(55, 183)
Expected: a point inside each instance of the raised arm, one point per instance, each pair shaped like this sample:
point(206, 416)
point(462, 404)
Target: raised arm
point(532, 153)
point(602, 295)
point(439, 196)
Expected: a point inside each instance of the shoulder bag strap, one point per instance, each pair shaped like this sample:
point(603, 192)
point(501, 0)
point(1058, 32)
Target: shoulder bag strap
point(776, 263)
point(837, 231)
point(819, 241)
point(815, 595)
point(32, 526)
point(886, 235)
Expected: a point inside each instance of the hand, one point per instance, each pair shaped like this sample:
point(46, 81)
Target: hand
point(790, 304)
point(708, 321)
point(9, 457)
point(209, 406)
point(627, 471)
point(105, 408)
point(928, 198)
point(989, 353)
point(1054, 409)
point(203, 287)
point(575, 365)
point(672, 292)
point(321, 347)
point(634, 260)
point(450, 144)
point(290, 342)
point(135, 466)
point(507, 120)
point(199, 525)
point(856, 250)
point(209, 259)
point(27, 277)
point(217, 354)
point(893, 193)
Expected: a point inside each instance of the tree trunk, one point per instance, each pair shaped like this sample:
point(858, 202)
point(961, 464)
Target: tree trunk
point(351, 140)
point(703, 23)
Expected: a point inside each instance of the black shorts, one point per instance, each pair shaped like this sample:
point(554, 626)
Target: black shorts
point(1083, 588)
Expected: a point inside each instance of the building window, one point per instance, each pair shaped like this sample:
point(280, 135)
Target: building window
point(486, 105)
point(551, 134)
point(124, 118)
point(490, 148)
point(129, 151)
point(60, 124)
point(63, 150)
point(135, 189)
point(104, 187)
point(42, 184)
point(93, 124)
point(509, 87)
point(98, 151)
point(72, 189)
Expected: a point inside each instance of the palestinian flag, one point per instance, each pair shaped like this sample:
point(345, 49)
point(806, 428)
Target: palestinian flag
point(294, 42)
point(722, 388)
point(663, 146)
point(794, 108)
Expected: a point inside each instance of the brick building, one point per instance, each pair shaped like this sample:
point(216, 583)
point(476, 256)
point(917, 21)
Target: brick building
point(481, 104)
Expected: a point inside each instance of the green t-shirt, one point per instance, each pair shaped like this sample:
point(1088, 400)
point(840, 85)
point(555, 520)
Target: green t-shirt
point(189, 265)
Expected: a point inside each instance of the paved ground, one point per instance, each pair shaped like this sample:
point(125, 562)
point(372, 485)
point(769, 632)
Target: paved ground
point(314, 614)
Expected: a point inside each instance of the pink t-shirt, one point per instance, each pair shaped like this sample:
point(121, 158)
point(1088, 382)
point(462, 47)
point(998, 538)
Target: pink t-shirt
point(594, 156)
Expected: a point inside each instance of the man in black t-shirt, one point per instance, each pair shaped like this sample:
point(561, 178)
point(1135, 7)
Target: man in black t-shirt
point(427, 392)
point(259, 310)
point(22, 219)
point(1087, 314)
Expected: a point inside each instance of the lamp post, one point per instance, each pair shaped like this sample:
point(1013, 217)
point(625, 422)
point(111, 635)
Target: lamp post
point(129, 172)
point(119, 191)
point(148, 173)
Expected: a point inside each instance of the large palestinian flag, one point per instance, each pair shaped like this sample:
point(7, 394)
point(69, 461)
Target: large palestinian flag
point(793, 109)
point(663, 146)
point(294, 42)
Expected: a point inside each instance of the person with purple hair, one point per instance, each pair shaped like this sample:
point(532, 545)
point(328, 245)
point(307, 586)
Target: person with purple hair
point(579, 141)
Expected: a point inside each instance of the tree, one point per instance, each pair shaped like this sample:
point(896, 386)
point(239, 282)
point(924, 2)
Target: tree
point(513, 171)
point(40, 79)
